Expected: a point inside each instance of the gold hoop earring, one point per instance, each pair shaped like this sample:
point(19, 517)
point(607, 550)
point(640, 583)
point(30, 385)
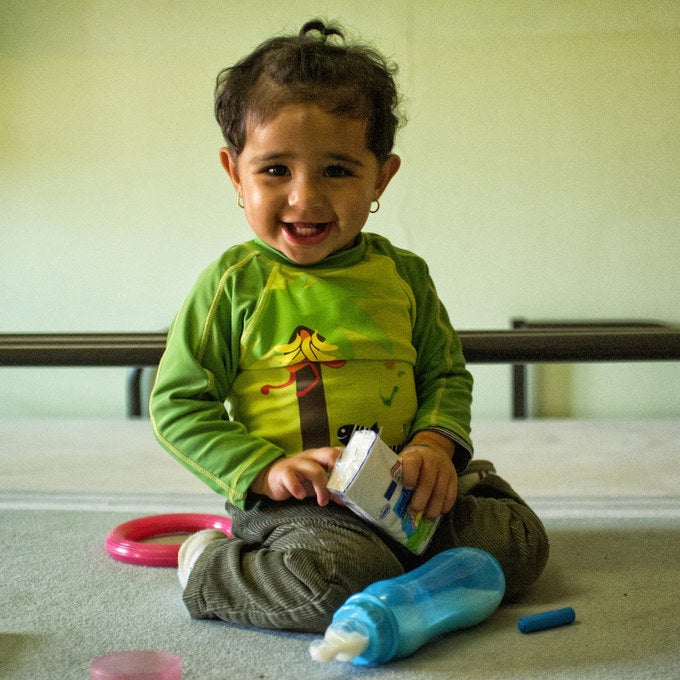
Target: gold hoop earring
point(239, 202)
point(377, 207)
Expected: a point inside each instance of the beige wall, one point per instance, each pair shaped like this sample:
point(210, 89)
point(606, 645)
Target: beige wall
point(540, 177)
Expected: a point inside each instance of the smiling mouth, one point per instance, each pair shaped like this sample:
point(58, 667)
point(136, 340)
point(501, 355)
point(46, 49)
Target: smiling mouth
point(306, 232)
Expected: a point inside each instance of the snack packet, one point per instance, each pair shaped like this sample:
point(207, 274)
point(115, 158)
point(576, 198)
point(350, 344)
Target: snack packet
point(367, 479)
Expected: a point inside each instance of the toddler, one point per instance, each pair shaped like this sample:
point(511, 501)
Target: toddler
point(314, 328)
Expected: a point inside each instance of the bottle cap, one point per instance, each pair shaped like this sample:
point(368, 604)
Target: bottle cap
point(339, 643)
point(137, 665)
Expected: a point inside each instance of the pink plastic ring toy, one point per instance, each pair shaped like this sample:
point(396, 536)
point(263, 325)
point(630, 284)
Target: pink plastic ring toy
point(123, 542)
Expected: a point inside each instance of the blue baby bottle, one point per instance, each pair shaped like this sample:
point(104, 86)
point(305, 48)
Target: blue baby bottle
point(457, 588)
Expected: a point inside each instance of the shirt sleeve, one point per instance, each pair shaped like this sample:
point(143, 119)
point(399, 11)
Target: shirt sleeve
point(187, 406)
point(443, 383)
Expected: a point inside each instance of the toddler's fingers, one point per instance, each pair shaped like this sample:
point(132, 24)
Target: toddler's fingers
point(442, 499)
point(326, 456)
point(410, 471)
point(323, 496)
point(422, 495)
point(314, 476)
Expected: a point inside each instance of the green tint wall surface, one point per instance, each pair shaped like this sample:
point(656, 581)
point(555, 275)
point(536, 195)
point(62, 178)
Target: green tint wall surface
point(540, 176)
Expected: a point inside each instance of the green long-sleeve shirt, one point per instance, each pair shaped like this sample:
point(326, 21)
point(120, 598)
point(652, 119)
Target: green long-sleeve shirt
point(267, 358)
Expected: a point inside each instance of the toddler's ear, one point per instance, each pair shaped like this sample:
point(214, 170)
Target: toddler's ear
point(229, 164)
point(387, 171)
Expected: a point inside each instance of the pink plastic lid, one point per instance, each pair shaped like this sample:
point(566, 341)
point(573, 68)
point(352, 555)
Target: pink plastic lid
point(137, 665)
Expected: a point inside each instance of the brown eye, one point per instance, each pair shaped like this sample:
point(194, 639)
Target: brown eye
point(277, 170)
point(335, 171)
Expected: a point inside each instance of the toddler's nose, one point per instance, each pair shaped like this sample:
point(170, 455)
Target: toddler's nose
point(306, 194)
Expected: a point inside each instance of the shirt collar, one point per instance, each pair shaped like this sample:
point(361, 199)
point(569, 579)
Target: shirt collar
point(341, 258)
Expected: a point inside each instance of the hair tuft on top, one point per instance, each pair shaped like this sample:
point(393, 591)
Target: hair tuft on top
point(316, 66)
point(317, 30)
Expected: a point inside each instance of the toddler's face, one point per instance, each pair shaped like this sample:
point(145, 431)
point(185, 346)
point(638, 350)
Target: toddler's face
point(308, 181)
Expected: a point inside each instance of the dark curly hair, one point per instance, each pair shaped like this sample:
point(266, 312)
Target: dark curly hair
point(316, 66)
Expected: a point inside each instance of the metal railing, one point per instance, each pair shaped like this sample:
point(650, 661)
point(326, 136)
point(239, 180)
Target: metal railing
point(545, 345)
point(519, 346)
point(631, 328)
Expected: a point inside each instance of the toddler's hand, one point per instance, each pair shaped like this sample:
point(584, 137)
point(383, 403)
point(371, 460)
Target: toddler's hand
point(428, 469)
point(300, 476)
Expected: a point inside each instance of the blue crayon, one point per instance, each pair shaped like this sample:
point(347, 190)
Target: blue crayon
point(551, 619)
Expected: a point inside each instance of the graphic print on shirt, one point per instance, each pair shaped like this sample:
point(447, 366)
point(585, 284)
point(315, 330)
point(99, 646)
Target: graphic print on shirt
point(303, 357)
point(346, 431)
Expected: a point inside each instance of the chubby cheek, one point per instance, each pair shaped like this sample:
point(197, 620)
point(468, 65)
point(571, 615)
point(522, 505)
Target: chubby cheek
point(260, 212)
point(358, 216)
point(359, 205)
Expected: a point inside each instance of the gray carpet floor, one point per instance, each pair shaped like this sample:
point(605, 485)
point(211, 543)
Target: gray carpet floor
point(63, 600)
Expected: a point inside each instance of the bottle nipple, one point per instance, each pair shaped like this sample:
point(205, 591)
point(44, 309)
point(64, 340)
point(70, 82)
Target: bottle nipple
point(340, 643)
